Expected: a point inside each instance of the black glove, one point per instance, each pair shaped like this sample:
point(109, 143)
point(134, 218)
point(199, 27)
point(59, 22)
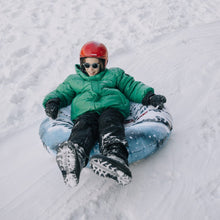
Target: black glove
point(52, 107)
point(155, 100)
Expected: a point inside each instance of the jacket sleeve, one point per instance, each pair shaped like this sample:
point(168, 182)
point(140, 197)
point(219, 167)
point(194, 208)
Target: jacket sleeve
point(134, 90)
point(64, 92)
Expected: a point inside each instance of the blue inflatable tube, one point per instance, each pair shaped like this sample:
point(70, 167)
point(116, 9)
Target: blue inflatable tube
point(146, 129)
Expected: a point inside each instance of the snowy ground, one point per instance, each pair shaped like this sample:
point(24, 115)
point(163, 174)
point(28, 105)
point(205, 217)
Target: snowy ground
point(173, 46)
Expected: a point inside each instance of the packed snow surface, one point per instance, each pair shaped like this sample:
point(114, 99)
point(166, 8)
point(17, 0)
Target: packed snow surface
point(173, 46)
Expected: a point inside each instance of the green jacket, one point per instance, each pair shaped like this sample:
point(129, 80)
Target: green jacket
point(110, 88)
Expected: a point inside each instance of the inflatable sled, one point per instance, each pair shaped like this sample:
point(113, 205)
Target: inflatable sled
point(146, 129)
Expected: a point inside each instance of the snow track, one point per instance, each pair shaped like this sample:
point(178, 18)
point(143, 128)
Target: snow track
point(173, 46)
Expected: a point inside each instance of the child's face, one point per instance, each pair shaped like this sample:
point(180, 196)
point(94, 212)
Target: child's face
point(92, 66)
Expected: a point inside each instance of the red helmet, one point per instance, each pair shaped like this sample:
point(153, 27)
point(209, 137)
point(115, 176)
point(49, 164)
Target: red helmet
point(94, 49)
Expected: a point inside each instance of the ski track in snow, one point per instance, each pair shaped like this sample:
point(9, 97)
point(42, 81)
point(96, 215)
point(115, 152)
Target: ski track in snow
point(173, 46)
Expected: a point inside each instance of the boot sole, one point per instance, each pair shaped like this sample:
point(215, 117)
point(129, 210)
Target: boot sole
point(67, 159)
point(106, 167)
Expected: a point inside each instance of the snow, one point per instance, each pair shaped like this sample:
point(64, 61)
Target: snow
point(173, 46)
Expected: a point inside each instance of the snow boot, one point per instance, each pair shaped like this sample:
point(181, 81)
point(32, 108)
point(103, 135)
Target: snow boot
point(111, 166)
point(70, 159)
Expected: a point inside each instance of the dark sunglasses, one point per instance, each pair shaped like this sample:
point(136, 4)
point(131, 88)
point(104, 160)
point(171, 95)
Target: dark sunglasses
point(94, 65)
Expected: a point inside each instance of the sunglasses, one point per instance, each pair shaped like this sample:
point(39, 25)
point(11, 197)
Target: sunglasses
point(94, 65)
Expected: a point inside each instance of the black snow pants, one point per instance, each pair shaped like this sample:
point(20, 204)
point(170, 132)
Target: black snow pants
point(106, 128)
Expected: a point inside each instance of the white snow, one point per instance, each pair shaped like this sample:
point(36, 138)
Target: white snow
point(173, 46)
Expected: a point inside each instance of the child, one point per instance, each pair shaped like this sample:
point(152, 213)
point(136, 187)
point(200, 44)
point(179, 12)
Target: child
point(99, 99)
